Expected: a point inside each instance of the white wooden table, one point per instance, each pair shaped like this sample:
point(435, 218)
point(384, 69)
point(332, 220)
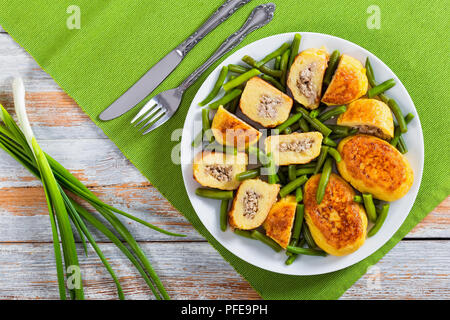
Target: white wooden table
point(417, 268)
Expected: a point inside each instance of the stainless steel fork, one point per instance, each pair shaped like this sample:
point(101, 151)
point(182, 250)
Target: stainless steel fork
point(162, 107)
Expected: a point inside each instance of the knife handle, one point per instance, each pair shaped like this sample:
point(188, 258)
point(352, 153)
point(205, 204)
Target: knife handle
point(221, 14)
point(259, 17)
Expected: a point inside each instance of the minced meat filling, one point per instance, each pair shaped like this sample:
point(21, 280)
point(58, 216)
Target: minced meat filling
point(250, 203)
point(219, 172)
point(268, 106)
point(371, 130)
point(296, 145)
point(305, 83)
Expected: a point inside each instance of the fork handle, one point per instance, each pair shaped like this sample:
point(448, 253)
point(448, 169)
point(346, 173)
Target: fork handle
point(221, 14)
point(259, 17)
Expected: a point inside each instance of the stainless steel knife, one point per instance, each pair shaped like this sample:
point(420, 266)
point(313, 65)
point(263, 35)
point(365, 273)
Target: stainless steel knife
point(150, 80)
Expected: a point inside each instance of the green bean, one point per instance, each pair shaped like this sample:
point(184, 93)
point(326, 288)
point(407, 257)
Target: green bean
point(358, 199)
point(273, 82)
point(207, 125)
point(291, 120)
point(226, 98)
point(288, 130)
point(252, 62)
point(243, 233)
point(329, 142)
point(233, 104)
point(261, 156)
point(384, 98)
point(282, 177)
point(308, 237)
point(324, 178)
point(370, 206)
point(306, 251)
point(380, 220)
point(249, 174)
point(298, 194)
point(198, 139)
point(295, 46)
point(284, 47)
point(237, 68)
point(369, 73)
point(303, 125)
point(217, 86)
point(332, 65)
point(402, 145)
point(214, 194)
point(314, 122)
point(408, 118)
point(322, 156)
point(294, 127)
point(382, 87)
point(297, 227)
point(308, 165)
point(240, 79)
point(335, 154)
point(272, 174)
point(315, 113)
point(304, 171)
point(221, 148)
point(265, 239)
point(398, 115)
point(331, 113)
point(397, 140)
point(291, 186)
point(339, 129)
point(292, 172)
point(397, 134)
point(284, 66)
point(293, 256)
point(277, 63)
point(224, 214)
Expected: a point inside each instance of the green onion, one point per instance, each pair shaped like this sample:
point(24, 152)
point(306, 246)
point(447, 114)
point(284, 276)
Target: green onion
point(20, 143)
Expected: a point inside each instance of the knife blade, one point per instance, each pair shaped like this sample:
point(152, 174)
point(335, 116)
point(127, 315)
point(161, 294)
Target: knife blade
point(149, 81)
point(144, 86)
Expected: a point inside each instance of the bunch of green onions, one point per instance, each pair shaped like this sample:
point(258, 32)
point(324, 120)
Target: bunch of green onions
point(60, 188)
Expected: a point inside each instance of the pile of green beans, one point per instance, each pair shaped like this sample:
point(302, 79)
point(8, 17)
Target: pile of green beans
point(293, 177)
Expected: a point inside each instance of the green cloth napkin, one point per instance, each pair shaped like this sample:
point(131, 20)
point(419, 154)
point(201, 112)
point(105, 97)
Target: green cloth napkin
point(120, 40)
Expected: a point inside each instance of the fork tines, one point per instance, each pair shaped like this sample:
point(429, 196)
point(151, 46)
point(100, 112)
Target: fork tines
point(152, 111)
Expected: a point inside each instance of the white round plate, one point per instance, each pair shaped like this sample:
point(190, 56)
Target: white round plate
point(257, 253)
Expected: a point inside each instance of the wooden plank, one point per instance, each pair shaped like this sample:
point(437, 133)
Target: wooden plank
point(24, 216)
point(94, 162)
point(413, 270)
point(55, 116)
point(16, 61)
point(188, 271)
